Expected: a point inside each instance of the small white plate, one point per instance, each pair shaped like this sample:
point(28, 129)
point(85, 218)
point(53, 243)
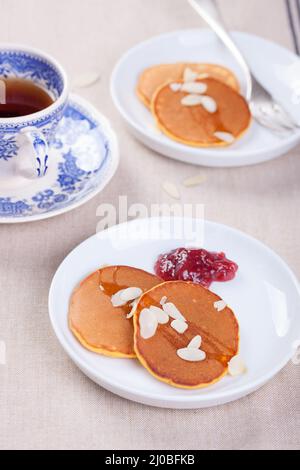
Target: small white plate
point(277, 68)
point(83, 158)
point(264, 295)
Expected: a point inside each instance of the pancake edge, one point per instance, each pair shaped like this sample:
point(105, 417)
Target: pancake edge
point(101, 351)
point(147, 102)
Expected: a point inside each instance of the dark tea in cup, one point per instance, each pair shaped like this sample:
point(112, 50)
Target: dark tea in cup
point(34, 95)
point(21, 97)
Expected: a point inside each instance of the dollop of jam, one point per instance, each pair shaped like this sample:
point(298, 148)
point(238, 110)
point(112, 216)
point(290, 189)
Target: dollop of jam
point(196, 265)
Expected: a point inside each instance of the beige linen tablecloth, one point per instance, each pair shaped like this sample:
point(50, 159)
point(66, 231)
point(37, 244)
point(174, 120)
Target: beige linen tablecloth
point(45, 401)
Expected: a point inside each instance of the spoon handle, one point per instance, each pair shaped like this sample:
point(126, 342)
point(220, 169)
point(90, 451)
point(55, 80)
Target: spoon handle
point(209, 12)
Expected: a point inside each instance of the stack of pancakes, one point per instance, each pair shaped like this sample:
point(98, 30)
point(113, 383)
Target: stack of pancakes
point(159, 88)
point(194, 356)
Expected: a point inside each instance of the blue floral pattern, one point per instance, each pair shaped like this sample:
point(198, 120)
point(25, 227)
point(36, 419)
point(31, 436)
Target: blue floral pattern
point(48, 199)
point(13, 209)
point(8, 147)
point(69, 173)
point(26, 65)
point(85, 158)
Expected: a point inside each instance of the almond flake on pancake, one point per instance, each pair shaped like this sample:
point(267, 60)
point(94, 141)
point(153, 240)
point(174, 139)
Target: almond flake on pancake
point(203, 76)
point(191, 355)
point(148, 323)
point(175, 87)
point(117, 301)
point(194, 87)
point(162, 317)
point(163, 300)
point(195, 343)
point(220, 305)
point(209, 104)
point(171, 189)
point(236, 366)
point(180, 326)
point(123, 296)
point(134, 305)
point(173, 311)
point(131, 293)
point(192, 100)
point(225, 137)
point(189, 75)
point(192, 352)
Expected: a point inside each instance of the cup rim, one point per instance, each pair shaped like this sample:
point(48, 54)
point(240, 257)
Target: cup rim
point(57, 103)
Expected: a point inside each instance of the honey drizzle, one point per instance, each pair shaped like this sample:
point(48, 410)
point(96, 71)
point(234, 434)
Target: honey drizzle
point(182, 340)
point(111, 288)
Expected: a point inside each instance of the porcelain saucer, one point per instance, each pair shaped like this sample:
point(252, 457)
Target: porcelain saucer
point(83, 158)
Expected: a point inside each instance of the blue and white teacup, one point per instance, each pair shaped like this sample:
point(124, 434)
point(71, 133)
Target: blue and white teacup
point(26, 139)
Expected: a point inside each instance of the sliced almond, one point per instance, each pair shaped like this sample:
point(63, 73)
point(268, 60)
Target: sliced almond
point(191, 355)
point(195, 343)
point(225, 137)
point(148, 324)
point(173, 311)
point(209, 104)
point(194, 87)
point(189, 75)
point(180, 326)
point(131, 293)
point(236, 366)
point(194, 181)
point(86, 80)
point(161, 316)
point(117, 301)
point(134, 305)
point(101, 288)
point(175, 87)
point(192, 100)
point(203, 76)
point(171, 189)
point(120, 298)
point(164, 299)
point(220, 305)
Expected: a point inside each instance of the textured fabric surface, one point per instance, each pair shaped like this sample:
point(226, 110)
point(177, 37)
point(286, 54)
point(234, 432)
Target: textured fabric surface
point(45, 401)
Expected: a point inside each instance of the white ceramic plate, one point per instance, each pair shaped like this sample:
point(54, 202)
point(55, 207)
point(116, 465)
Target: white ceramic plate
point(276, 68)
point(265, 297)
point(83, 158)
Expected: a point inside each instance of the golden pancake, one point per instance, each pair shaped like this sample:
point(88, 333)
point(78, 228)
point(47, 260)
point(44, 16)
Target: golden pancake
point(195, 125)
point(219, 331)
point(96, 323)
point(154, 77)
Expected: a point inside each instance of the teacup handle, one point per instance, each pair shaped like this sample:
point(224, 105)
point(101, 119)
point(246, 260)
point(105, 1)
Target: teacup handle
point(35, 164)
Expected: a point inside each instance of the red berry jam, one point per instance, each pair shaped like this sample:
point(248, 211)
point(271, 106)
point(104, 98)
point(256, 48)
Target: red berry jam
point(198, 266)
